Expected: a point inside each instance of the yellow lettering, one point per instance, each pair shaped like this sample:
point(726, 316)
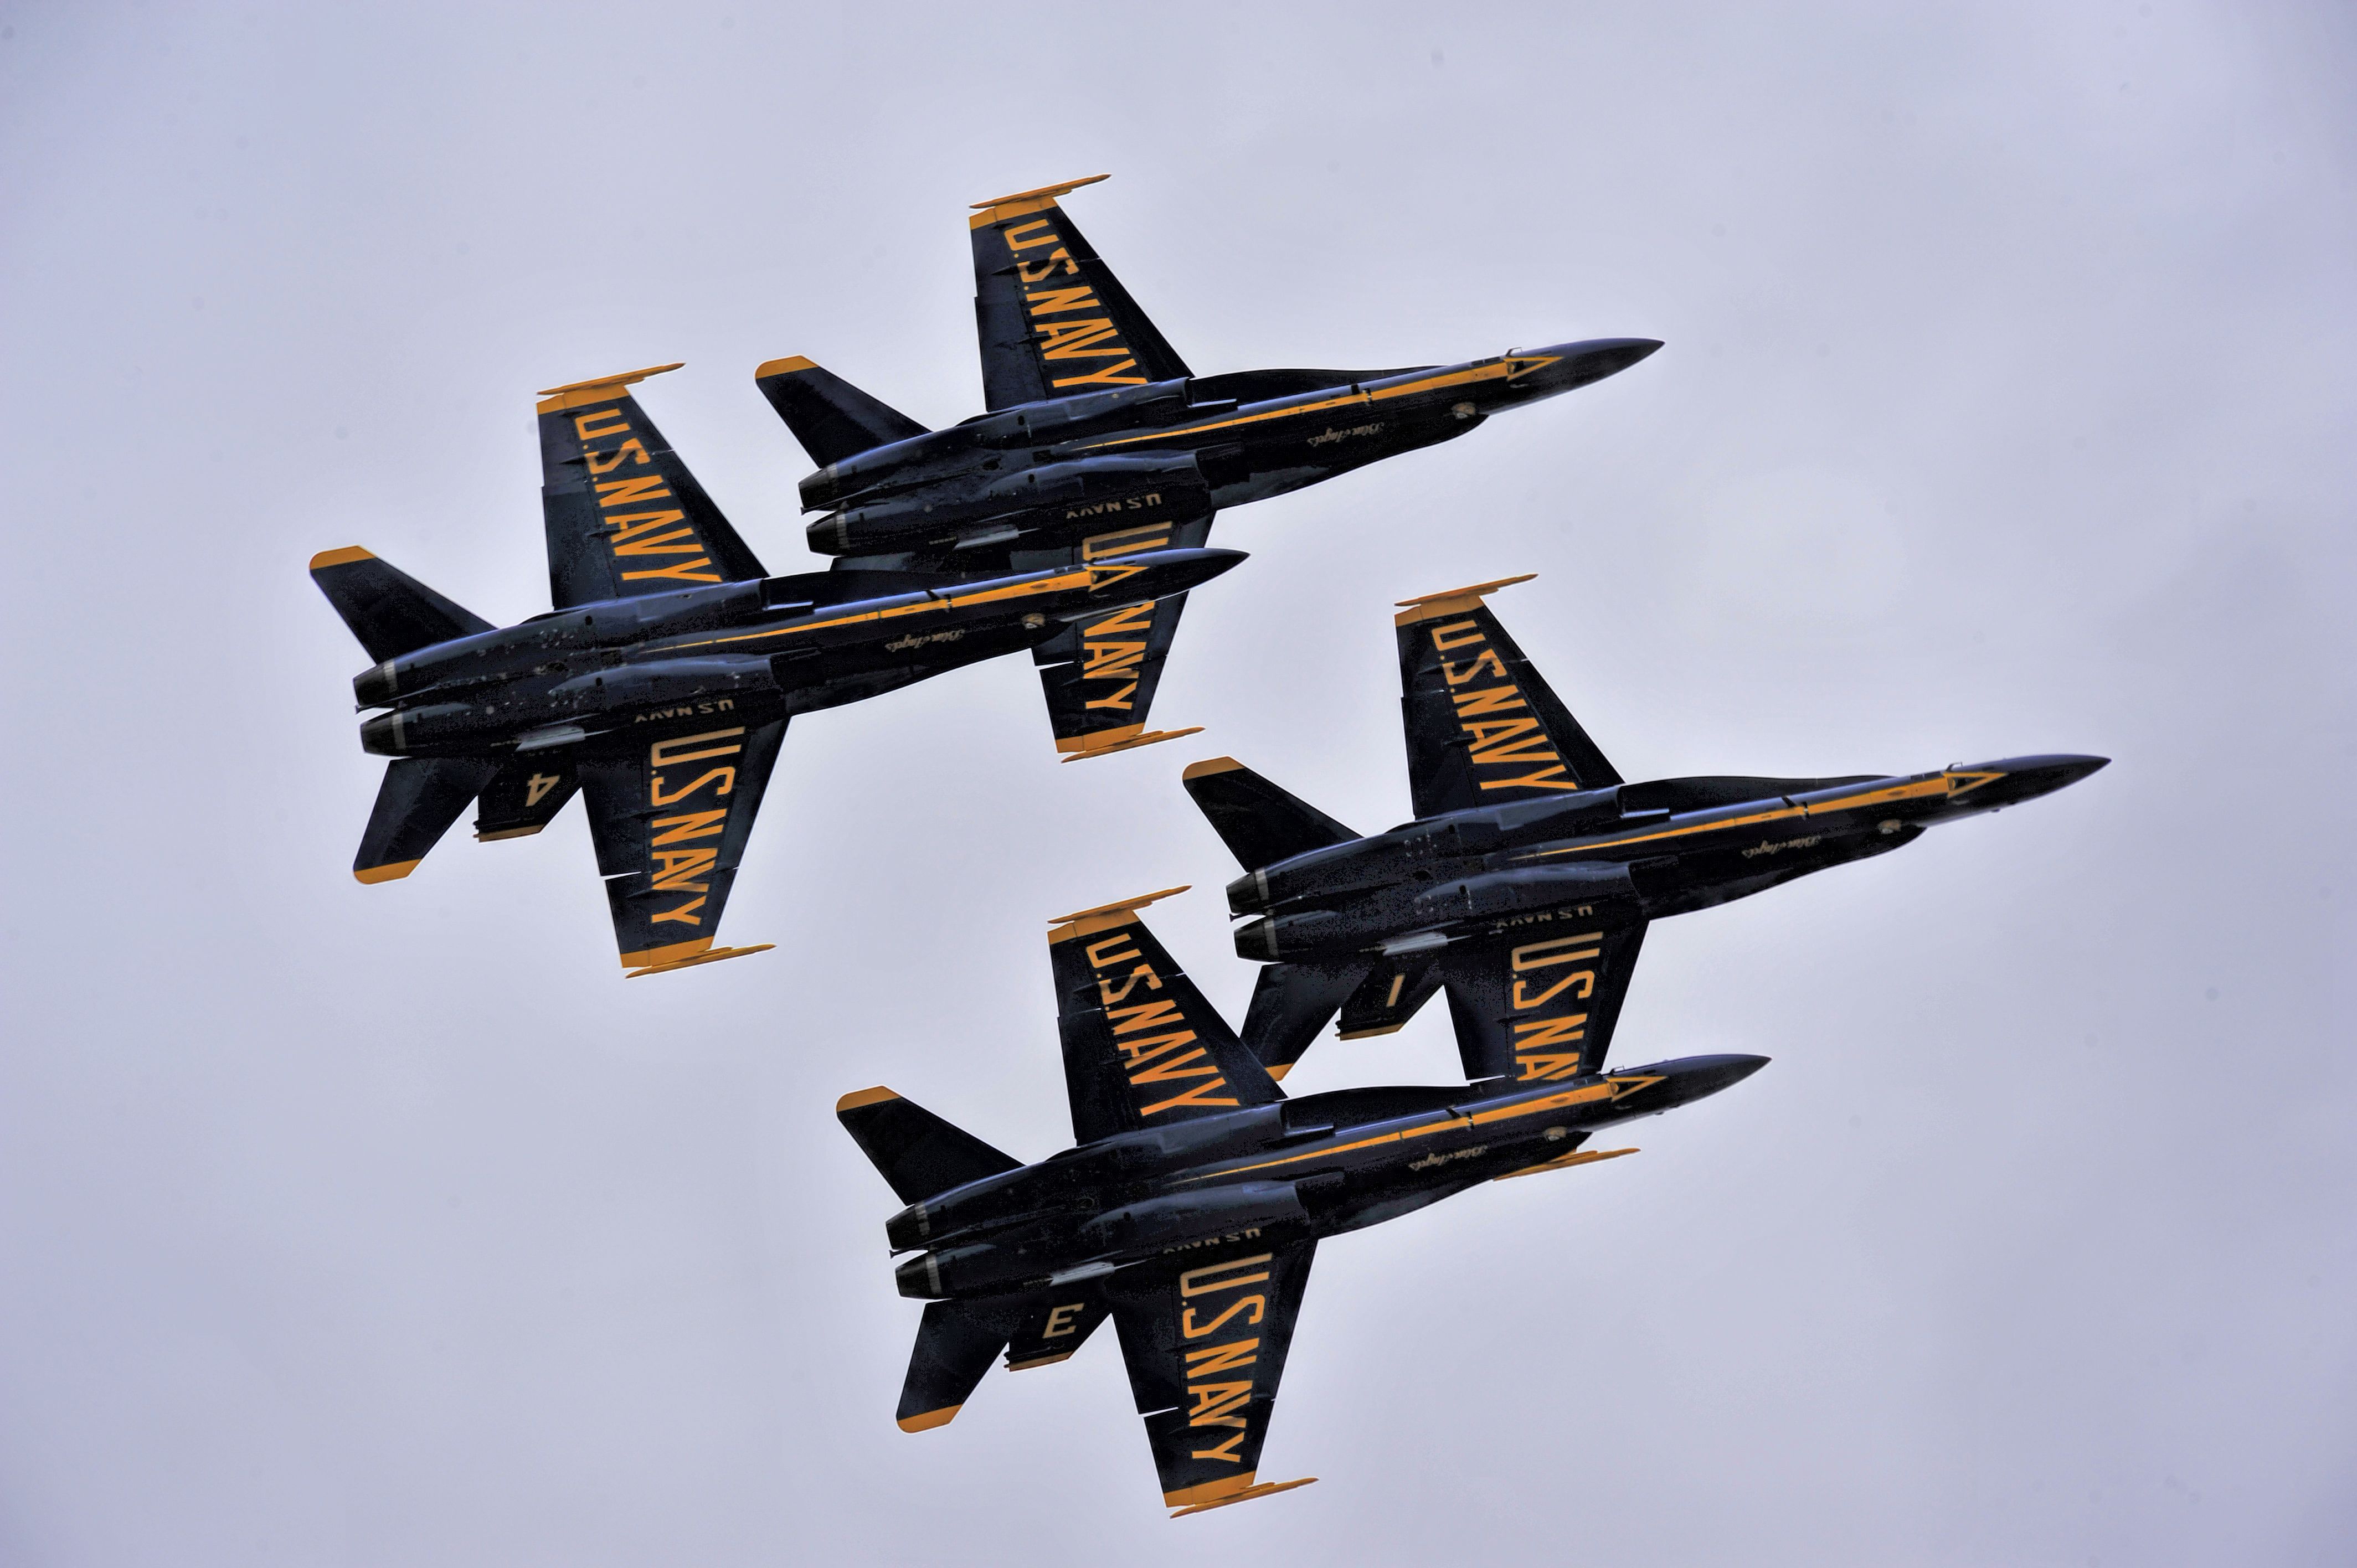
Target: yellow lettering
point(1077, 340)
point(1225, 1451)
point(1548, 953)
point(1457, 675)
point(1457, 634)
point(1060, 1320)
point(664, 752)
point(1107, 996)
point(1175, 1070)
point(685, 572)
point(537, 787)
point(1488, 700)
point(1127, 541)
point(1110, 376)
point(1112, 660)
point(1224, 1358)
point(1256, 1304)
point(1155, 1015)
point(1037, 228)
point(1113, 700)
point(645, 540)
point(631, 492)
point(1541, 1068)
point(1547, 779)
point(1215, 1403)
point(1147, 1049)
point(684, 914)
point(1205, 1280)
point(671, 868)
point(607, 461)
point(693, 826)
point(581, 426)
point(1050, 301)
point(1099, 958)
point(655, 796)
point(1582, 977)
point(1040, 272)
point(1198, 1095)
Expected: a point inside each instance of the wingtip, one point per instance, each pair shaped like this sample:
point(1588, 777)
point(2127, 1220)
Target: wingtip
point(343, 557)
point(1042, 192)
point(1210, 765)
point(926, 1419)
point(596, 389)
point(1451, 601)
point(394, 872)
point(1080, 748)
point(859, 1096)
point(785, 367)
point(714, 956)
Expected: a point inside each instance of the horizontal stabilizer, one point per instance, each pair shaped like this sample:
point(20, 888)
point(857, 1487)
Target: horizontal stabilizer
point(915, 1151)
point(1290, 1002)
point(956, 1343)
point(1060, 1322)
point(390, 611)
point(420, 798)
point(831, 418)
point(1260, 823)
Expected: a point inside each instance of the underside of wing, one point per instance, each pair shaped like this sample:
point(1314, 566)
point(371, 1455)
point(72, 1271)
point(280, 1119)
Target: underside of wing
point(1100, 675)
point(1205, 1343)
point(1539, 1003)
point(1143, 1046)
point(1052, 318)
point(669, 819)
point(625, 516)
point(1483, 728)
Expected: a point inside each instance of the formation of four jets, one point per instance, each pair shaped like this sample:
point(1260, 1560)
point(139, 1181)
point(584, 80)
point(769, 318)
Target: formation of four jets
point(1071, 519)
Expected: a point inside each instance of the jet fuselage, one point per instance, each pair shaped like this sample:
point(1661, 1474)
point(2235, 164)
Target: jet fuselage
point(1642, 850)
point(742, 653)
point(1045, 474)
point(1299, 1169)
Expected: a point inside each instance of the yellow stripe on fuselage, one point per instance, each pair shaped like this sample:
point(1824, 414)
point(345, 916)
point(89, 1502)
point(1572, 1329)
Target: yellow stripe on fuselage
point(1081, 577)
point(1500, 369)
point(1945, 784)
point(1610, 1089)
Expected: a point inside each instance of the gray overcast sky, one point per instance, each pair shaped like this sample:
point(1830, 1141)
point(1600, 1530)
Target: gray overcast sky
point(2007, 408)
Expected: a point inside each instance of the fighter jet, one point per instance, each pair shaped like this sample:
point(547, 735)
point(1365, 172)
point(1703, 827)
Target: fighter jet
point(660, 686)
point(1192, 1199)
point(1527, 879)
point(1098, 442)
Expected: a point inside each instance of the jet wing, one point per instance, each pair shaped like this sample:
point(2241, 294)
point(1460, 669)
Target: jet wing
point(1100, 676)
point(1053, 320)
point(1205, 1337)
point(1538, 1002)
point(1482, 727)
point(1143, 1047)
point(624, 515)
point(669, 821)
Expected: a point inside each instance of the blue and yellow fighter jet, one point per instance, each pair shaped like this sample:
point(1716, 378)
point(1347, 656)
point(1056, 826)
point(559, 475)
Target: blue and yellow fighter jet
point(1099, 441)
point(1525, 883)
point(660, 686)
point(1192, 1199)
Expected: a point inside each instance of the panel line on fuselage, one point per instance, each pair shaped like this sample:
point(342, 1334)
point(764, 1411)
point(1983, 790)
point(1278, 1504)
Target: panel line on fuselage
point(1507, 369)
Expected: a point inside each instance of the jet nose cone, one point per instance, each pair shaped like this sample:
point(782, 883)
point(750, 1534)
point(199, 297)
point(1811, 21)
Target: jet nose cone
point(1175, 570)
point(2027, 777)
point(1577, 364)
point(1708, 1074)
